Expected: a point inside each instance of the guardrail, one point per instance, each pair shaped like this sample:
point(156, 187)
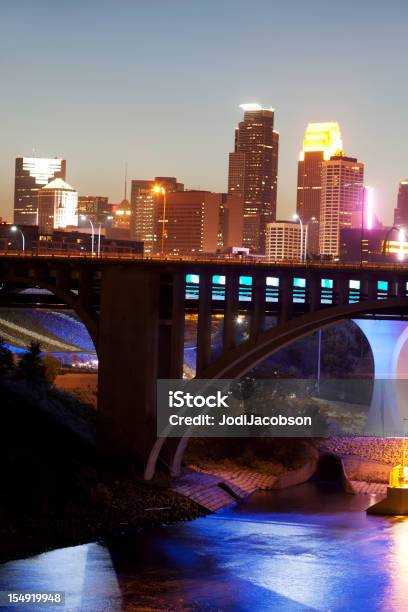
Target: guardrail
point(221, 260)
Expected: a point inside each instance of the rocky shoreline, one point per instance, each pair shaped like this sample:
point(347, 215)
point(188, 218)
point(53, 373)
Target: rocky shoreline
point(126, 507)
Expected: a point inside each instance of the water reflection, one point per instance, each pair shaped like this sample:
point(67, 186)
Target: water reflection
point(298, 549)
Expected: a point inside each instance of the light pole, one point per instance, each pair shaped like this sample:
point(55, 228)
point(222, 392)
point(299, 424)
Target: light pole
point(85, 218)
point(14, 228)
point(160, 189)
point(296, 217)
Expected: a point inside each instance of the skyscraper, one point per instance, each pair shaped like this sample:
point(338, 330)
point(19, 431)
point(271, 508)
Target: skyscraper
point(253, 172)
point(146, 208)
point(31, 174)
point(401, 212)
point(321, 141)
point(95, 208)
point(199, 222)
point(57, 206)
point(342, 194)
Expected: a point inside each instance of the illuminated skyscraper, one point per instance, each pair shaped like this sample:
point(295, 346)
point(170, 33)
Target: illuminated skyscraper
point(31, 174)
point(342, 194)
point(95, 208)
point(146, 209)
point(57, 206)
point(253, 172)
point(321, 141)
point(401, 212)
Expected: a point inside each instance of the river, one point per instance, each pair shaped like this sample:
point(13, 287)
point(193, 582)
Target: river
point(303, 548)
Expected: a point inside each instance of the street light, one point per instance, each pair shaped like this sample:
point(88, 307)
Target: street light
point(297, 218)
point(160, 189)
point(85, 218)
point(14, 228)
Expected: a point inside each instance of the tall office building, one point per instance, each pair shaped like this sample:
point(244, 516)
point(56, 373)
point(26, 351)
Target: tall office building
point(146, 209)
point(253, 172)
point(401, 212)
point(284, 241)
point(31, 174)
point(199, 222)
point(57, 206)
point(95, 208)
point(342, 195)
point(321, 141)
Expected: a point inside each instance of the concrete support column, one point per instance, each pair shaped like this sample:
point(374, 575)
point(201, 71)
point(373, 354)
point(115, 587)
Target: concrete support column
point(204, 323)
point(387, 412)
point(341, 287)
point(177, 328)
point(171, 325)
point(402, 286)
point(230, 310)
point(85, 287)
point(285, 298)
point(369, 287)
point(314, 292)
point(128, 356)
point(63, 278)
point(258, 302)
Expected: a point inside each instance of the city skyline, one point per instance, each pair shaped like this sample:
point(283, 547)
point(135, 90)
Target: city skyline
point(121, 100)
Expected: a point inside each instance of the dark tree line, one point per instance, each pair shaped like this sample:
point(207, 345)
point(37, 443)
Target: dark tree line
point(30, 367)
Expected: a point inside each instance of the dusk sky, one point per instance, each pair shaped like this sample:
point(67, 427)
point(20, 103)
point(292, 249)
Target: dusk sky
point(158, 84)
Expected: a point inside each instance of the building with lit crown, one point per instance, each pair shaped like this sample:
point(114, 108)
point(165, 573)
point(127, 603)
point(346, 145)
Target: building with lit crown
point(57, 206)
point(253, 172)
point(284, 241)
point(342, 195)
point(321, 141)
point(31, 174)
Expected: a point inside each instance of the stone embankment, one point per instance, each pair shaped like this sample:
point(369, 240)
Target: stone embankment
point(216, 487)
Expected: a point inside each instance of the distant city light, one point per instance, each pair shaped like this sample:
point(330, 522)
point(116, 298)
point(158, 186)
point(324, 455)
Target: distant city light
point(253, 106)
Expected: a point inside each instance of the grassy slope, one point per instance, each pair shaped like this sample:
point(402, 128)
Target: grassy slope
point(53, 490)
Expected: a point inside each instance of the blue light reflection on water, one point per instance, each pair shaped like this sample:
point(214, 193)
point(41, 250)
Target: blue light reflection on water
point(298, 549)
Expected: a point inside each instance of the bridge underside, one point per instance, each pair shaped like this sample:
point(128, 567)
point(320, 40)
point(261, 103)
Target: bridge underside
point(136, 312)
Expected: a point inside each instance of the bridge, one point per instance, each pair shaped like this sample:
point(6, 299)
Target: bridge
point(134, 310)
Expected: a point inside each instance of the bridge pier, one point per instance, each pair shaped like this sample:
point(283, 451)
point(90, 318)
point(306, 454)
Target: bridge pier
point(387, 340)
point(141, 336)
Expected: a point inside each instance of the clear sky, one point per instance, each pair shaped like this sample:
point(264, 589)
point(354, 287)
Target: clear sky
point(158, 83)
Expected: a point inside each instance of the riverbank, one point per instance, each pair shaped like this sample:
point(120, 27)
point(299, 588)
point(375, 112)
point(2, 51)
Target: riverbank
point(55, 490)
point(121, 506)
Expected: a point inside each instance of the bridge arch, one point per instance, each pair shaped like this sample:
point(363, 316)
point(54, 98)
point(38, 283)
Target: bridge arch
point(88, 316)
point(243, 358)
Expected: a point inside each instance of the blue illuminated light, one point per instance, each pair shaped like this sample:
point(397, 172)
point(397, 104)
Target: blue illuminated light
point(326, 283)
point(299, 282)
point(218, 279)
point(245, 280)
point(193, 278)
point(382, 285)
point(273, 281)
point(354, 284)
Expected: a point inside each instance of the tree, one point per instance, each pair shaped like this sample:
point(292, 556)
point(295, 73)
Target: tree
point(52, 368)
point(31, 367)
point(6, 359)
